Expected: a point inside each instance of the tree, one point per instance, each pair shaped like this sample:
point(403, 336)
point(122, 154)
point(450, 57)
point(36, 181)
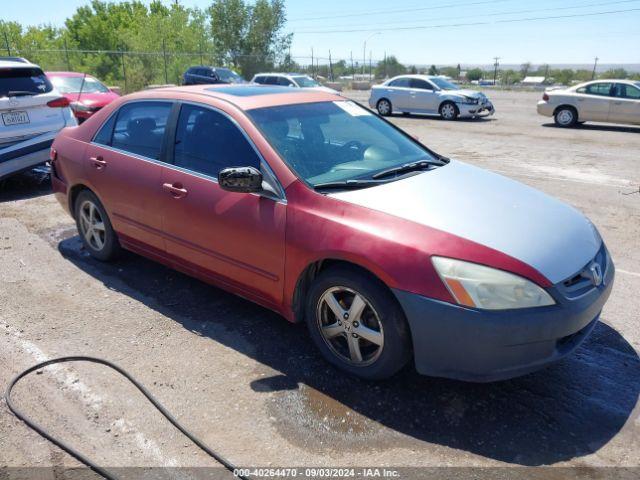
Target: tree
point(525, 68)
point(474, 74)
point(615, 73)
point(249, 36)
point(390, 67)
point(433, 70)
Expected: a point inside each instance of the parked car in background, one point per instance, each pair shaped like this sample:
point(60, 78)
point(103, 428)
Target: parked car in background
point(295, 80)
point(429, 95)
point(317, 208)
point(614, 101)
point(32, 113)
point(85, 93)
point(200, 75)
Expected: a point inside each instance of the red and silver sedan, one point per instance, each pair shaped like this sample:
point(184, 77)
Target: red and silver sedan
point(317, 208)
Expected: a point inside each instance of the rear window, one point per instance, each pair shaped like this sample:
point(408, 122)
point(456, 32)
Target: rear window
point(23, 81)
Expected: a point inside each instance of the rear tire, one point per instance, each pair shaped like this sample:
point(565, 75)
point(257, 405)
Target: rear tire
point(449, 111)
point(384, 107)
point(566, 117)
point(357, 324)
point(94, 227)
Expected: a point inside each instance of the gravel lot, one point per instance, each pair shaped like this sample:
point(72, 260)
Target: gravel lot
point(252, 385)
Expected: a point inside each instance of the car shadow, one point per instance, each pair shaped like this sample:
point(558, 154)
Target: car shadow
point(418, 116)
point(568, 410)
point(28, 184)
point(597, 127)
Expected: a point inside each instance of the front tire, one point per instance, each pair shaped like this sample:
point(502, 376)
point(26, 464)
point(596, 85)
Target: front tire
point(449, 111)
point(94, 227)
point(384, 107)
point(566, 117)
point(356, 323)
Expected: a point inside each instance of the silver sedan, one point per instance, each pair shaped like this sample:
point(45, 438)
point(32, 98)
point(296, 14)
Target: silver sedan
point(429, 95)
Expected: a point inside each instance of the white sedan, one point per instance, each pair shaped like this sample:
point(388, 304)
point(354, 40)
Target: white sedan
point(429, 95)
point(615, 101)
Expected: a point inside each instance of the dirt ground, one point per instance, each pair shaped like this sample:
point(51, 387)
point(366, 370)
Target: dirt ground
point(253, 387)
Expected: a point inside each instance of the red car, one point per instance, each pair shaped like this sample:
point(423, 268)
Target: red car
point(86, 94)
point(319, 209)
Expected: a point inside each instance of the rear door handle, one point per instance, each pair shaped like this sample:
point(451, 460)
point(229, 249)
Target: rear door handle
point(175, 189)
point(617, 103)
point(98, 162)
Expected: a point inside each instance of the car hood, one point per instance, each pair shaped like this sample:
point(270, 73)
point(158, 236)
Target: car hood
point(491, 210)
point(465, 93)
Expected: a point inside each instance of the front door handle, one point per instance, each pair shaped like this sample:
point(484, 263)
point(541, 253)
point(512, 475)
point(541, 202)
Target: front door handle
point(98, 162)
point(175, 189)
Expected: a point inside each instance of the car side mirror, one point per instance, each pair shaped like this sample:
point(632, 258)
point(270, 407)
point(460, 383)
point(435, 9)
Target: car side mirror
point(240, 179)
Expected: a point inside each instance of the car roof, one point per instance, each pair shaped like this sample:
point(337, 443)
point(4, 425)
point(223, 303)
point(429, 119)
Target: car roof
point(16, 64)
point(280, 74)
point(245, 96)
point(607, 80)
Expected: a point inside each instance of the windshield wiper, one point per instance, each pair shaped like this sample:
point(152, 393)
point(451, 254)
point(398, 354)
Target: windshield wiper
point(350, 184)
point(19, 93)
point(407, 167)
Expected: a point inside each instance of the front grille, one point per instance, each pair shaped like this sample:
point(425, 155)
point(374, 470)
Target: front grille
point(582, 282)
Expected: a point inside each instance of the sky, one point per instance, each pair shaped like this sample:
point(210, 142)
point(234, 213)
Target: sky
point(435, 31)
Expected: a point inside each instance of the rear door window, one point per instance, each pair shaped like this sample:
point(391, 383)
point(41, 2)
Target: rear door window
point(140, 128)
point(271, 81)
point(627, 91)
point(207, 141)
point(284, 81)
point(23, 81)
point(601, 89)
point(400, 82)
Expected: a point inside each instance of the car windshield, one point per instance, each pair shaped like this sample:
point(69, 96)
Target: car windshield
point(335, 141)
point(23, 81)
point(75, 85)
point(443, 84)
point(230, 76)
point(306, 82)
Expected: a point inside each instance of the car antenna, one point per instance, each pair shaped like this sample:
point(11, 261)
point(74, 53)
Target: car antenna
point(84, 76)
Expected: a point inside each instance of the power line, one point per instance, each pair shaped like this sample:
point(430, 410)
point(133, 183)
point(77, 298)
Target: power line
point(368, 13)
point(456, 25)
point(493, 14)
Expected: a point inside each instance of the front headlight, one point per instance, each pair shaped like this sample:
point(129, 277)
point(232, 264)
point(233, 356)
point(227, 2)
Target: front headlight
point(468, 101)
point(483, 287)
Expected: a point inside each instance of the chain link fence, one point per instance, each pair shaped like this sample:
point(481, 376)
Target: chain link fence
point(131, 70)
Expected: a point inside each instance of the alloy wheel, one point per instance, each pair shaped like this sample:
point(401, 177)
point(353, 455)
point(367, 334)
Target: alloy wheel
point(384, 107)
point(448, 111)
point(350, 326)
point(92, 226)
point(565, 117)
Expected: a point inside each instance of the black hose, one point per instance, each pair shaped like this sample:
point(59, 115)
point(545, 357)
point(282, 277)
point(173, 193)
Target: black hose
point(79, 456)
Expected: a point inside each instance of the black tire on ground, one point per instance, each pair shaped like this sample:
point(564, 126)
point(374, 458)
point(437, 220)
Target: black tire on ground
point(396, 350)
point(566, 117)
point(448, 111)
point(384, 107)
point(110, 246)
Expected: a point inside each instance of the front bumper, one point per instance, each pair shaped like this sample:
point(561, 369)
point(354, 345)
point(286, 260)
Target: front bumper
point(483, 346)
point(480, 110)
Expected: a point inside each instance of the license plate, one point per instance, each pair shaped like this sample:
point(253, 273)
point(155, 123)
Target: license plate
point(15, 118)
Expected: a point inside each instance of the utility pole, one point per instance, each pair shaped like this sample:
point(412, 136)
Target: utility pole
point(66, 54)
point(385, 64)
point(330, 67)
point(495, 70)
point(164, 56)
point(6, 41)
point(369, 65)
point(312, 65)
point(353, 72)
point(595, 64)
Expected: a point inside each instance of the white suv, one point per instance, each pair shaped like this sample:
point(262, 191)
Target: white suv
point(31, 114)
point(295, 80)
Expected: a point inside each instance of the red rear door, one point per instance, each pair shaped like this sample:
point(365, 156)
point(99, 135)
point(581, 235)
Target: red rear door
point(236, 238)
point(125, 170)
